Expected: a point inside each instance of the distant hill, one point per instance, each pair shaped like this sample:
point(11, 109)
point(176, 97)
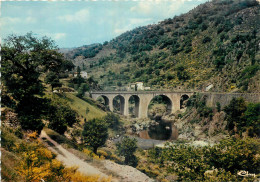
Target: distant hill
point(216, 43)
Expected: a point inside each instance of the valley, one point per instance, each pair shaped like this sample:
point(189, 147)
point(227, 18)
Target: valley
point(178, 100)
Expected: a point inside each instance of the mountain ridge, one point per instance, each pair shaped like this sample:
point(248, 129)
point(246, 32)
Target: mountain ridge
point(213, 44)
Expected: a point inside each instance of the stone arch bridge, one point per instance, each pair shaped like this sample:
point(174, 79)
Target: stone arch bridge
point(143, 98)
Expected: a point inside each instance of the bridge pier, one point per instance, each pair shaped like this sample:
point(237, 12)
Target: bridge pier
point(143, 106)
point(126, 106)
point(175, 99)
point(111, 108)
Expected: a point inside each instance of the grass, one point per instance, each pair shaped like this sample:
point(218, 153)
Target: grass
point(80, 106)
point(60, 139)
point(9, 159)
point(9, 163)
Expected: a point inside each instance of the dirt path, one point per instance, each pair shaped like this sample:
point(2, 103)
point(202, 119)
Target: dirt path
point(70, 159)
point(124, 173)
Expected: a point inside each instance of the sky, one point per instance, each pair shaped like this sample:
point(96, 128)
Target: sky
point(76, 23)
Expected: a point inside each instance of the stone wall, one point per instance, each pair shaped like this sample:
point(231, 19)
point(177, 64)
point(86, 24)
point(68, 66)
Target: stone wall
point(224, 99)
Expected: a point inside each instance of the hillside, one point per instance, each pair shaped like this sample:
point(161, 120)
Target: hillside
point(215, 43)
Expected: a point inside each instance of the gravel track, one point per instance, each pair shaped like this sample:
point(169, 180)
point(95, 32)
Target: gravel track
point(124, 173)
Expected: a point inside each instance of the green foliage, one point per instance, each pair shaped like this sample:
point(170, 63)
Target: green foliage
point(30, 111)
point(249, 72)
point(7, 101)
point(205, 112)
point(60, 115)
point(251, 119)
point(88, 51)
point(84, 87)
point(213, 35)
point(24, 59)
point(206, 39)
point(112, 120)
point(8, 138)
point(245, 118)
point(190, 163)
point(219, 63)
point(95, 133)
point(234, 110)
point(87, 110)
point(53, 79)
point(218, 106)
point(126, 147)
point(235, 154)
point(181, 73)
point(199, 102)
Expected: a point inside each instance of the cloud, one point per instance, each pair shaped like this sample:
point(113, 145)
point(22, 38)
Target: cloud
point(12, 21)
point(142, 7)
point(119, 31)
point(157, 8)
point(30, 20)
point(55, 36)
point(139, 21)
point(9, 20)
point(80, 16)
point(132, 23)
point(58, 36)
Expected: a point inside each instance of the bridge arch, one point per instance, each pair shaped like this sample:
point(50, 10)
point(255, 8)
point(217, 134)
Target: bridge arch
point(184, 98)
point(103, 100)
point(134, 103)
point(119, 104)
point(160, 99)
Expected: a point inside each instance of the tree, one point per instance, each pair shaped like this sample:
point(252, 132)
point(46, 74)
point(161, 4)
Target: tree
point(112, 121)
point(95, 133)
point(234, 112)
point(251, 119)
point(60, 116)
point(53, 79)
point(126, 148)
point(78, 71)
point(24, 59)
point(82, 89)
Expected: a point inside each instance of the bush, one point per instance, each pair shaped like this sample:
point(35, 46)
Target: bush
point(206, 39)
point(181, 73)
point(112, 120)
point(228, 157)
point(251, 119)
point(234, 110)
point(219, 62)
point(126, 148)
point(218, 106)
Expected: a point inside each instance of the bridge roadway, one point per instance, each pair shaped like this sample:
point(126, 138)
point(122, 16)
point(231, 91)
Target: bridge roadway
point(173, 99)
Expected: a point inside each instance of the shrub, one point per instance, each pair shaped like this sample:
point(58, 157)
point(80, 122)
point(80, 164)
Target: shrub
point(126, 148)
point(218, 106)
point(181, 73)
point(112, 120)
point(234, 110)
point(206, 39)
